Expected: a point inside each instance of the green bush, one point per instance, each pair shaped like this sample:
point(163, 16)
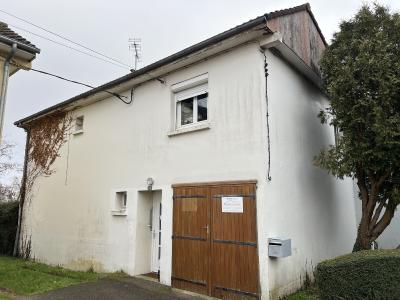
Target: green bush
point(8, 226)
point(372, 274)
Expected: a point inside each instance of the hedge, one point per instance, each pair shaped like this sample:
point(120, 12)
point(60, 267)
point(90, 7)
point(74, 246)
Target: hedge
point(372, 274)
point(8, 226)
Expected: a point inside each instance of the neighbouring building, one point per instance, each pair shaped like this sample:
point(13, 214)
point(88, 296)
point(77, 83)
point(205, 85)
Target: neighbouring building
point(15, 53)
point(206, 166)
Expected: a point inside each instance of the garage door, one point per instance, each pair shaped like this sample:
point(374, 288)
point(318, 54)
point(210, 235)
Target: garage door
point(215, 240)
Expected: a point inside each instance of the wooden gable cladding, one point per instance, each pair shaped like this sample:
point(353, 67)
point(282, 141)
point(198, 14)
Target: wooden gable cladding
point(301, 33)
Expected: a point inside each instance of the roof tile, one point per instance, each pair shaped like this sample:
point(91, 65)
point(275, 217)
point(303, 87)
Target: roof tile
point(9, 33)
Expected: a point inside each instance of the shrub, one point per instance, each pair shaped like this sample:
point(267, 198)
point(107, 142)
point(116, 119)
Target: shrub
point(8, 226)
point(371, 274)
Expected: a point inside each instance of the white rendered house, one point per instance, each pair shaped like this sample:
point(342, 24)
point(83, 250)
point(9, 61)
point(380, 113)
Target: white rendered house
point(211, 159)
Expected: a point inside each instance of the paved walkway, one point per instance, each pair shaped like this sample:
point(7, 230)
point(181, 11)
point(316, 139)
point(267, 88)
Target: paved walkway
point(126, 288)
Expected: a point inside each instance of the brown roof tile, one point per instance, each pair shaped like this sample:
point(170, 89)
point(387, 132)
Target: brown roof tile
point(5, 31)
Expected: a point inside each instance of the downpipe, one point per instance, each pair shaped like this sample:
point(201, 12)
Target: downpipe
point(3, 95)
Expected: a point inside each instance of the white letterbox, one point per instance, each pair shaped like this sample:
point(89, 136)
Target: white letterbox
point(279, 247)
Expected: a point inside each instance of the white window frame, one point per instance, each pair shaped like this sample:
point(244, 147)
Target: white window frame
point(193, 92)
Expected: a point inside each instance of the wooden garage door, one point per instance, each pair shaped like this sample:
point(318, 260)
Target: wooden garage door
point(214, 244)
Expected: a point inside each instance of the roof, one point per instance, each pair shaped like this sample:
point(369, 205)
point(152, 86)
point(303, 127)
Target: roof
point(9, 36)
point(174, 57)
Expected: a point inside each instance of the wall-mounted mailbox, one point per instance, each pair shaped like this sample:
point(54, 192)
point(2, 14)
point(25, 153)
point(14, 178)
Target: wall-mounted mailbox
point(278, 247)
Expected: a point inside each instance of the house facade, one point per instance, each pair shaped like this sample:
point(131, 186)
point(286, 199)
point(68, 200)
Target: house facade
point(207, 158)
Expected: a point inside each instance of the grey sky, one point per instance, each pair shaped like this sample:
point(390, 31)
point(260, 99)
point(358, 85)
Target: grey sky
point(164, 27)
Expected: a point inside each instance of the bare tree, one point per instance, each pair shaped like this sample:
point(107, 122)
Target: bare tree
point(9, 187)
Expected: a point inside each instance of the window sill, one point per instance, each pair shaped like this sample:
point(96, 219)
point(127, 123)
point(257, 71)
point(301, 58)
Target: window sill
point(191, 128)
point(78, 132)
point(119, 212)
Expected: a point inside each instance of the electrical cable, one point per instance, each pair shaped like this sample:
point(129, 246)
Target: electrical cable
point(69, 47)
point(269, 178)
point(120, 97)
point(63, 37)
point(125, 66)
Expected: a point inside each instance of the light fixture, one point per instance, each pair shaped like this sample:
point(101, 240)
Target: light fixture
point(150, 183)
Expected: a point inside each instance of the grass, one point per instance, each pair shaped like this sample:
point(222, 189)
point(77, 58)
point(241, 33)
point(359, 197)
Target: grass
point(5, 296)
point(23, 277)
point(307, 294)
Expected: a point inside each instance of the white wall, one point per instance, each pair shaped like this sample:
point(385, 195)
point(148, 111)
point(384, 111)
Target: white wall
point(302, 202)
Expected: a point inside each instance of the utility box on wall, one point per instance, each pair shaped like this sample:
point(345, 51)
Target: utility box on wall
point(278, 247)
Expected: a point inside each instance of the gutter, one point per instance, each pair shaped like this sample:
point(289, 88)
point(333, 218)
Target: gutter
point(3, 93)
point(20, 45)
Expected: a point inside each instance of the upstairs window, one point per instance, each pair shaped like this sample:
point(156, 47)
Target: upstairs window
point(191, 106)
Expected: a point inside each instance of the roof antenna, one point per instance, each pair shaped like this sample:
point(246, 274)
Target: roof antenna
point(135, 45)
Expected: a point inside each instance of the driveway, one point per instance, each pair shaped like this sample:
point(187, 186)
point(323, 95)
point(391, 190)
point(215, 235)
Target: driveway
point(125, 288)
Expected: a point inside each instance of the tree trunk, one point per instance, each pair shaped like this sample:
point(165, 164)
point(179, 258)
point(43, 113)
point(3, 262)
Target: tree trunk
point(363, 240)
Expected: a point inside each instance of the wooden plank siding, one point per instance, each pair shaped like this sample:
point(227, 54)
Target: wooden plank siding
point(301, 34)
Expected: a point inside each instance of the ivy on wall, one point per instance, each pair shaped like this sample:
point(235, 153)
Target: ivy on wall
point(46, 136)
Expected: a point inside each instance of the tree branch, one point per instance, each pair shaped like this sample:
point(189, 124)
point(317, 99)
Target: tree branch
point(383, 178)
point(377, 214)
point(383, 222)
point(362, 187)
point(373, 198)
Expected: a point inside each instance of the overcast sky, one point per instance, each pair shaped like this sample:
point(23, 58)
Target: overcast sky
point(164, 27)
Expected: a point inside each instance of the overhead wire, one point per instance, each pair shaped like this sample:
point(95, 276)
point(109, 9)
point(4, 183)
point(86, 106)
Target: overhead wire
point(108, 59)
point(162, 81)
point(120, 97)
point(64, 38)
point(67, 46)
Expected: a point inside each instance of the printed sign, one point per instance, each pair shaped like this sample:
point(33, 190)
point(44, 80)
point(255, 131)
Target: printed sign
point(232, 204)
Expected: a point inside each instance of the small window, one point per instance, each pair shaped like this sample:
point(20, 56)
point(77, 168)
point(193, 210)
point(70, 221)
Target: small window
point(191, 110)
point(79, 124)
point(120, 201)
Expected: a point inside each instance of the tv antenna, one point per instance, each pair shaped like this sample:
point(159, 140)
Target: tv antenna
point(135, 45)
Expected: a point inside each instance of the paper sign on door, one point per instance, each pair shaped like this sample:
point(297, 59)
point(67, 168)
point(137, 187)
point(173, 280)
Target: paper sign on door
point(232, 204)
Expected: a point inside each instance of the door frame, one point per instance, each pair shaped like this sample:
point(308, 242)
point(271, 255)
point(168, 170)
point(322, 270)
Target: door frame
point(156, 232)
point(226, 183)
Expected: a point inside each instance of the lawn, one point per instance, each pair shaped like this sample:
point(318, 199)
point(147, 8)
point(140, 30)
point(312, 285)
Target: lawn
point(23, 277)
point(307, 294)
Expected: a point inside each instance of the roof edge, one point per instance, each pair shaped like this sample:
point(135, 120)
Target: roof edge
point(22, 46)
point(176, 56)
point(160, 63)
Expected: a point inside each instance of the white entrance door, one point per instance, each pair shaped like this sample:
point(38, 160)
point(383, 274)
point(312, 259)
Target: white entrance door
point(156, 232)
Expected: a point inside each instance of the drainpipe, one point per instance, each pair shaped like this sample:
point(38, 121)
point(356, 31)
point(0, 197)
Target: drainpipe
point(3, 95)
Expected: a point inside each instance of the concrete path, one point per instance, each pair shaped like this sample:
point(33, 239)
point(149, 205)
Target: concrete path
point(125, 288)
